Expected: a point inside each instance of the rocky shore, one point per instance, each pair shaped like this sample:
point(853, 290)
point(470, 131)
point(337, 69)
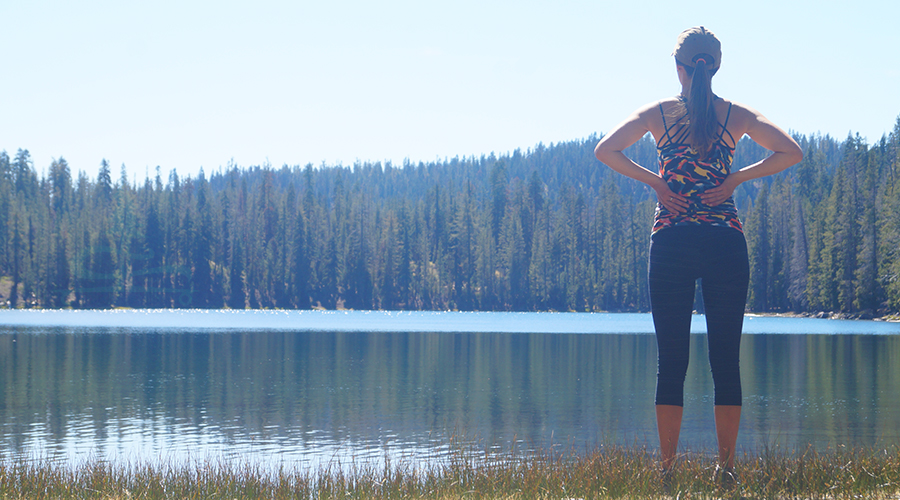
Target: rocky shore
point(864, 315)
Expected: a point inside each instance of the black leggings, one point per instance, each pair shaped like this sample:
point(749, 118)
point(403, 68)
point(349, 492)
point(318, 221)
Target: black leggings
point(718, 257)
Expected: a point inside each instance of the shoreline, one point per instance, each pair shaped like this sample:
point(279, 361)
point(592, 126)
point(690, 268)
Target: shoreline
point(867, 315)
point(864, 316)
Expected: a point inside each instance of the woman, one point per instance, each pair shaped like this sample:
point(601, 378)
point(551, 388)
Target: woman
point(696, 231)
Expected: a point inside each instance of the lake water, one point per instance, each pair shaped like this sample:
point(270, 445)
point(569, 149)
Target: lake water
point(313, 388)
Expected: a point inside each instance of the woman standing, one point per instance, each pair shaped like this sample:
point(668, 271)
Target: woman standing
point(696, 231)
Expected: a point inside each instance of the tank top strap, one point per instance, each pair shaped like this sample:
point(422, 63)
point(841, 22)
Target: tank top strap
point(725, 128)
point(669, 138)
point(665, 126)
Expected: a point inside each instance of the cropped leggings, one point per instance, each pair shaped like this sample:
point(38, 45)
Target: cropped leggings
point(718, 257)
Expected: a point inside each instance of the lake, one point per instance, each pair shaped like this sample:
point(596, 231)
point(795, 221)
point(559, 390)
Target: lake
point(311, 388)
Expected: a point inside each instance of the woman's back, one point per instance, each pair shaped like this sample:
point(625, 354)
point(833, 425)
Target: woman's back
point(689, 172)
point(670, 115)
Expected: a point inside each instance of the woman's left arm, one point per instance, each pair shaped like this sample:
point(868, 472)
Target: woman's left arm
point(785, 152)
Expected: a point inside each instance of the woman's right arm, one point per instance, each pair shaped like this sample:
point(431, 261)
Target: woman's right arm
point(610, 151)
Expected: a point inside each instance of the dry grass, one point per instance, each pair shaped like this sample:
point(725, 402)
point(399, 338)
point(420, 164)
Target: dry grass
point(613, 472)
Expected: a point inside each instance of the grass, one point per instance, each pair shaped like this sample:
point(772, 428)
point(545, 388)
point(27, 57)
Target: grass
point(608, 472)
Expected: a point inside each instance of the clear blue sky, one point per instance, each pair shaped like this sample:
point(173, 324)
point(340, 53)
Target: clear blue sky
point(184, 84)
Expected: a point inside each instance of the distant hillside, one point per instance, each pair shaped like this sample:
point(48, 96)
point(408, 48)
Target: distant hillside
point(549, 228)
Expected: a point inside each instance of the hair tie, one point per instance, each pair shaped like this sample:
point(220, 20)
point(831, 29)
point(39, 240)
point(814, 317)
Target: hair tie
point(706, 58)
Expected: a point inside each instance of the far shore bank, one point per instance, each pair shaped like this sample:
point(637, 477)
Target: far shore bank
point(864, 315)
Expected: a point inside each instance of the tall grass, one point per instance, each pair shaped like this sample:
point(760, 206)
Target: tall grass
point(607, 472)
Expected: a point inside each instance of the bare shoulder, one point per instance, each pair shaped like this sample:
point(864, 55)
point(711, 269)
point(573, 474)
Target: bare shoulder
point(746, 120)
point(650, 109)
point(629, 131)
point(741, 118)
point(669, 106)
point(655, 114)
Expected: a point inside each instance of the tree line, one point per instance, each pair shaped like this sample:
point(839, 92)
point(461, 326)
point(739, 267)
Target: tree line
point(549, 228)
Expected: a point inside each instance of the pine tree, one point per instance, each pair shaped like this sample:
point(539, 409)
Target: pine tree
point(102, 271)
point(499, 196)
point(889, 224)
point(847, 235)
point(16, 262)
point(201, 246)
point(798, 278)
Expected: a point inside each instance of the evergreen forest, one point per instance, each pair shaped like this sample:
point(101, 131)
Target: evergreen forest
point(548, 229)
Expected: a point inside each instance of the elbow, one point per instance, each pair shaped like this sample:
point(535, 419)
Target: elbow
point(789, 155)
point(602, 152)
point(796, 154)
point(598, 151)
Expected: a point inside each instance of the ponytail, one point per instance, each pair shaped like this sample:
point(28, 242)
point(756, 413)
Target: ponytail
point(700, 108)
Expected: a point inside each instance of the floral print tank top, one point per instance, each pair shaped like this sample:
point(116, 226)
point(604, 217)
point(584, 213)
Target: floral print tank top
point(688, 174)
